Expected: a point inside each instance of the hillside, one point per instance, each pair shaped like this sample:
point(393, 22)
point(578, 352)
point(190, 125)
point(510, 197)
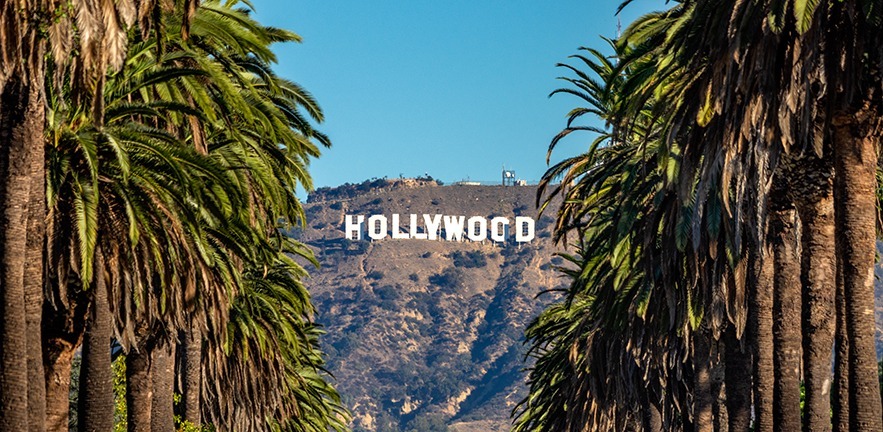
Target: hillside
point(421, 333)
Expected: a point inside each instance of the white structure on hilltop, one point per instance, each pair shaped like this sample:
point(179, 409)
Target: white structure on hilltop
point(508, 177)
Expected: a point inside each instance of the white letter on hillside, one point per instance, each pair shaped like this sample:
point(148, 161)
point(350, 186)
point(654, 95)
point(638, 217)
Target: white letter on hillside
point(375, 232)
point(354, 227)
point(432, 225)
point(477, 228)
point(499, 229)
point(522, 222)
point(413, 228)
point(396, 228)
point(451, 230)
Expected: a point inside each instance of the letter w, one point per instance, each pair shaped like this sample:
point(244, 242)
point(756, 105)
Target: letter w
point(454, 231)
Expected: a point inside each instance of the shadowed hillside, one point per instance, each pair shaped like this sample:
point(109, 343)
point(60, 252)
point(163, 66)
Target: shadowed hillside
point(423, 334)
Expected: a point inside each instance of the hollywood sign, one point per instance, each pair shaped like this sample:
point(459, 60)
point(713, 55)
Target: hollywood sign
point(439, 227)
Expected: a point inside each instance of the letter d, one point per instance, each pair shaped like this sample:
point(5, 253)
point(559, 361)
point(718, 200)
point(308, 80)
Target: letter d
point(524, 229)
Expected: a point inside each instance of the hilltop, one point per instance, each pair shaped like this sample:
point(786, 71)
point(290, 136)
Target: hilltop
point(423, 334)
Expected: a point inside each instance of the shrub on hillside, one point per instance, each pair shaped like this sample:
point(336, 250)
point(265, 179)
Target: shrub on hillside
point(472, 259)
point(427, 423)
point(448, 280)
point(388, 294)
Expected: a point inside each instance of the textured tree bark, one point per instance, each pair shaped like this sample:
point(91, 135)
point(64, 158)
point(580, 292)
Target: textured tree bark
point(702, 383)
point(96, 405)
point(163, 417)
point(719, 410)
point(58, 388)
point(840, 402)
point(190, 374)
point(652, 417)
point(818, 275)
point(855, 182)
point(786, 318)
point(139, 394)
point(62, 333)
point(21, 130)
point(760, 325)
point(33, 284)
point(737, 380)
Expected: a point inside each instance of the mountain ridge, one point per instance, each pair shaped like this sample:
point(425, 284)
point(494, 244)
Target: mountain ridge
point(427, 335)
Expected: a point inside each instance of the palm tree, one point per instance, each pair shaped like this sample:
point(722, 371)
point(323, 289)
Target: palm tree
point(818, 275)
point(94, 400)
point(271, 358)
point(250, 124)
point(122, 194)
point(840, 388)
point(685, 59)
point(760, 334)
point(601, 353)
point(22, 118)
point(176, 224)
point(21, 126)
point(737, 381)
point(162, 417)
point(786, 309)
point(259, 125)
point(787, 96)
point(189, 371)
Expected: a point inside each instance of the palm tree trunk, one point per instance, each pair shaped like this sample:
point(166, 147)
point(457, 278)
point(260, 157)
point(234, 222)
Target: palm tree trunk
point(651, 416)
point(190, 374)
point(22, 118)
point(760, 320)
point(163, 418)
point(737, 380)
point(139, 390)
point(717, 388)
point(840, 404)
point(63, 330)
point(702, 383)
point(96, 407)
point(33, 285)
point(58, 388)
point(786, 319)
point(855, 151)
point(818, 273)
point(21, 131)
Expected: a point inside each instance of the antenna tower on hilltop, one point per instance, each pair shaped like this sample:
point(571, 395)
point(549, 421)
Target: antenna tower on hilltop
point(508, 177)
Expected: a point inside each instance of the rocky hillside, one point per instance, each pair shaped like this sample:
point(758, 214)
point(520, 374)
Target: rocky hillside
point(427, 335)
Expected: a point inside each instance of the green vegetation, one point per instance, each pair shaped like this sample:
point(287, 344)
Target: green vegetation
point(172, 153)
point(119, 394)
point(448, 280)
point(427, 423)
point(471, 259)
point(727, 126)
point(349, 190)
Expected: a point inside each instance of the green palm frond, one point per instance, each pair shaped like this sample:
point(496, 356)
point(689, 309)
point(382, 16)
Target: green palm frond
point(185, 185)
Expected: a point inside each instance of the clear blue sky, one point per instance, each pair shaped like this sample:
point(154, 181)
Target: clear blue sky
point(452, 88)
